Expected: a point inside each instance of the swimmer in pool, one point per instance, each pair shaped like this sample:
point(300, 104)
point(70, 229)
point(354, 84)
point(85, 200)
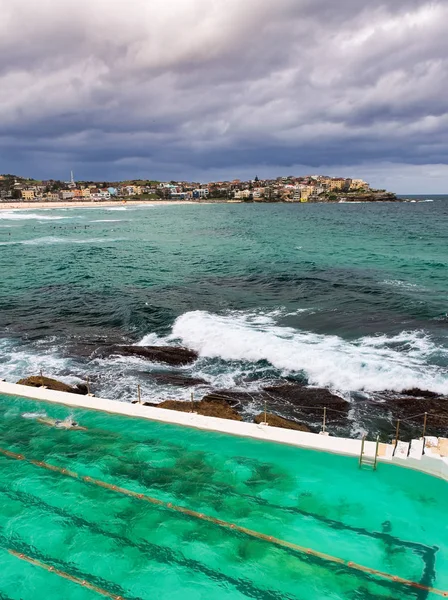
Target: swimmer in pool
point(67, 423)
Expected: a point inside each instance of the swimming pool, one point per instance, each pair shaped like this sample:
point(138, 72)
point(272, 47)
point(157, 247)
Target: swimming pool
point(137, 509)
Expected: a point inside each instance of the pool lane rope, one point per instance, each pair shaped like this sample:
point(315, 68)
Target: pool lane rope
point(72, 578)
point(224, 524)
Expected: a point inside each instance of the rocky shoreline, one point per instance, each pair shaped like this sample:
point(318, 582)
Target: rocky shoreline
point(287, 403)
point(366, 197)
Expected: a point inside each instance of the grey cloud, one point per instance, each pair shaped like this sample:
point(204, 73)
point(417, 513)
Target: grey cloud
point(220, 86)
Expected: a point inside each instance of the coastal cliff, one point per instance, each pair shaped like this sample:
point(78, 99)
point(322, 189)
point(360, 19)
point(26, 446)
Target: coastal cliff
point(371, 196)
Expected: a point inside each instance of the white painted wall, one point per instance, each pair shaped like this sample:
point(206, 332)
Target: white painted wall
point(430, 464)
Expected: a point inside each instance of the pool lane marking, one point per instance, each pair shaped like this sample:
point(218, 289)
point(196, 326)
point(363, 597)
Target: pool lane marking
point(150, 549)
point(226, 525)
point(72, 578)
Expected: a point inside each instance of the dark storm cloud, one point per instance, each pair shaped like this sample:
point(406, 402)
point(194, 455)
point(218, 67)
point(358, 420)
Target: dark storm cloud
point(190, 87)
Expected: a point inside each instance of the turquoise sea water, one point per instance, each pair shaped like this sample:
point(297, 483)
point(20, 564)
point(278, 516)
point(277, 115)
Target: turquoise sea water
point(393, 520)
point(348, 297)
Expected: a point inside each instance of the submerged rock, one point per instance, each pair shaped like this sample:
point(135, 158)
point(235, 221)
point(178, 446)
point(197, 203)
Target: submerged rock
point(213, 408)
point(53, 384)
point(309, 398)
point(232, 398)
point(171, 355)
point(176, 379)
point(276, 421)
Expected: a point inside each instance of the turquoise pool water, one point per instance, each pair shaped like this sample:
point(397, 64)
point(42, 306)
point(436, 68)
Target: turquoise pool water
point(393, 520)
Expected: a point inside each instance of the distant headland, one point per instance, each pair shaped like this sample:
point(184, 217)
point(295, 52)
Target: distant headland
point(306, 189)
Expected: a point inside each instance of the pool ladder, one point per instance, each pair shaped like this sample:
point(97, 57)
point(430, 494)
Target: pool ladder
point(366, 460)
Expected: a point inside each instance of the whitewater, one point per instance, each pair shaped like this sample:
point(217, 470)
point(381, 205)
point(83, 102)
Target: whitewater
point(368, 364)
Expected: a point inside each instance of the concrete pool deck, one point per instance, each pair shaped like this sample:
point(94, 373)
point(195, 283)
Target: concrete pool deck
point(433, 462)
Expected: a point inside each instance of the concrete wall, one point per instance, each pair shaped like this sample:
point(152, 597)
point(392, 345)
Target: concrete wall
point(433, 465)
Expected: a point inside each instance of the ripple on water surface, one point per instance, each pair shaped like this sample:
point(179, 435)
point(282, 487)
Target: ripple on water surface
point(391, 520)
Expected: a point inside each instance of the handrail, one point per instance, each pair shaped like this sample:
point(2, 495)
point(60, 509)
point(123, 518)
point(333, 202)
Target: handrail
point(362, 450)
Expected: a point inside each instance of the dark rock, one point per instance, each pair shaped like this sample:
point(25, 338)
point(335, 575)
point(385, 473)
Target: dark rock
point(292, 401)
point(416, 393)
point(170, 355)
point(52, 384)
point(309, 398)
point(176, 379)
point(297, 395)
point(410, 411)
point(214, 408)
point(81, 388)
point(87, 347)
point(232, 398)
point(276, 421)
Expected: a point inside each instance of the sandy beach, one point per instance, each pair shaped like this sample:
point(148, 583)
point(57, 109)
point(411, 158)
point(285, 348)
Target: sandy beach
point(109, 203)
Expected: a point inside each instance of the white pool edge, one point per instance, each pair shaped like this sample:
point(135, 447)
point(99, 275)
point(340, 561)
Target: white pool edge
point(430, 464)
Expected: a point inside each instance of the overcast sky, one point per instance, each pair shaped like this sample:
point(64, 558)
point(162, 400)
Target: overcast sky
point(217, 89)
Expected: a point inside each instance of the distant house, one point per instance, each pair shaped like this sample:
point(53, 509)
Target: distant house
point(66, 194)
point(180, 195)
point(359, 184)
point(243, 195)
point(28, 194)
point(52, 197)
point(200, 194)
point(336, 184)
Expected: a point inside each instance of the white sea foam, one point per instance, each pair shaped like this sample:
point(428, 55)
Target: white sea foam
point(17, 361)
point(402, 284)
point(12, 215)
point(44, 241)
point(368, 364)
point(152, 339)
point(107, 221)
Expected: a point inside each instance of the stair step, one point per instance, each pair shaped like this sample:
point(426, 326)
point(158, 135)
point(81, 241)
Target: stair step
point(416, 449)
point(401, 450)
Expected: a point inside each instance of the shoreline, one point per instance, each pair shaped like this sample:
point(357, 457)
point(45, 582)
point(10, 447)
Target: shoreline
point(105, 204)
point(134, 203)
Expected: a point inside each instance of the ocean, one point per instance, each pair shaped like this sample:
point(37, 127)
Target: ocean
point(348, 297)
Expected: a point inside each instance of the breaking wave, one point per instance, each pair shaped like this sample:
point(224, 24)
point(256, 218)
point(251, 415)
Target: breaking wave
point(369, 364)
point(56, 240)
point(22, 215)
point(17, 361)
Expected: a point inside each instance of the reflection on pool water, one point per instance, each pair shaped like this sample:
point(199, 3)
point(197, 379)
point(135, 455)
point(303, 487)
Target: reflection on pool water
point(392, 520)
